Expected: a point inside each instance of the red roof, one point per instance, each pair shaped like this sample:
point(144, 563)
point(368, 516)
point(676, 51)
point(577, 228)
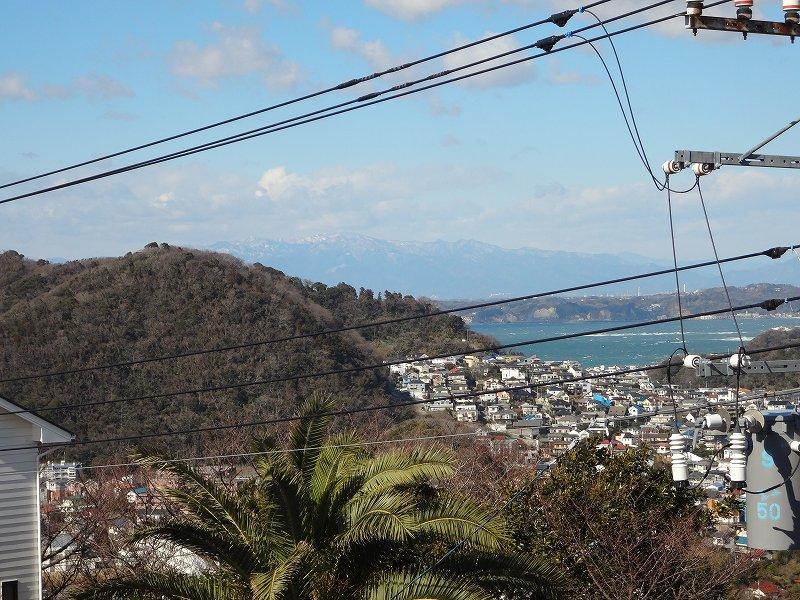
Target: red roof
point(766, 587)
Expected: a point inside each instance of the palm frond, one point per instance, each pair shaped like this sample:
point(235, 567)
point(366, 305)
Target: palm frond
point(309, 434)
point(334, 465)
point(213, 545)
point(292, 506)
point(398, 468)
point(389, 516)
point(454, 518)
point(157, 586)
point(408, 586)
point(506, 572)
point(277, 584)
point(206, 500)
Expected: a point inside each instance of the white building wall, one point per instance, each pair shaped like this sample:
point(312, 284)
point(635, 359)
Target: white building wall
point(19, 507)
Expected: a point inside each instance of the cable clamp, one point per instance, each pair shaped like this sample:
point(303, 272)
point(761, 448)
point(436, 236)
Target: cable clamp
point(368, 96)
point(548, 43)
point(777, 251)
point(772, 304)
point(350, 83)
point(563, 17)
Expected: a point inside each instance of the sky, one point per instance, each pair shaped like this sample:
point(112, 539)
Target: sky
point(532, 155)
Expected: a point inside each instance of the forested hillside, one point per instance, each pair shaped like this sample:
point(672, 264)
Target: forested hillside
point(165, 299)
point(617, 308)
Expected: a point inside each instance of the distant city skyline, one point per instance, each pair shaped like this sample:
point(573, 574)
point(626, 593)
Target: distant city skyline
point(533, 156)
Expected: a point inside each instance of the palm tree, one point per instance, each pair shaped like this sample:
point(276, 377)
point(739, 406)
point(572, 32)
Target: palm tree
point(329, 521)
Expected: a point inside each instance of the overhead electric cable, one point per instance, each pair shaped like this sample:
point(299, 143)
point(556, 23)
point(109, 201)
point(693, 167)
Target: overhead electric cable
point(655, 413)
point(560, 19)
point(768, 305)
point(786, 480)
point(400, 440)
point(188, 459)
point(719, 266)
point(773, 253)
point(631, 126)
point(675, 263)
point(711, 460)
point(364, 101)
point(344, 412)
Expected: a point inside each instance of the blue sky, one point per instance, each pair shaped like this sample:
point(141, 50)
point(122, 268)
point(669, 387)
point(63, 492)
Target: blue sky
point(533, 156)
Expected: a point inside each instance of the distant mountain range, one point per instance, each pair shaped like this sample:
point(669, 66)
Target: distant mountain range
point(472, 269)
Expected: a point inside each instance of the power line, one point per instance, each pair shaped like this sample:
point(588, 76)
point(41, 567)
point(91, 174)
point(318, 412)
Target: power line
point(719, 266)
point(655, 413)
point(511, 500)
point(188, 459)
point(675, 262)
point(773, 253)
point(344, 412)
point(766, 305)
point(632, 126)
point(560, 19)
point(364, 101)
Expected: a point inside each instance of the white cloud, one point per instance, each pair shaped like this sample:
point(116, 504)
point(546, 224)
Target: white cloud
point(92, 86)
point(375, 52)
point(254, 6)
point(13, 87)
point(411, 10)
point(556, 75)
point(336, 183)
point(236, 52)
point(507, 77)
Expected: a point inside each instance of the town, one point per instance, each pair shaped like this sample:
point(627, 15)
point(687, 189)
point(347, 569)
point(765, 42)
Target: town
point(510, 401)
point(531, 404)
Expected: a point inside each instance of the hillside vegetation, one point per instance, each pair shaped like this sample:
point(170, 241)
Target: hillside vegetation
point(617, 308)
point(165, 299)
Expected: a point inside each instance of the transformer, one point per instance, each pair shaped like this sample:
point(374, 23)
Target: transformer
point(773, 516)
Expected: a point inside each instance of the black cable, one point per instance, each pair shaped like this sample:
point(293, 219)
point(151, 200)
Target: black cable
point(531, 386)
point(767, 305)
point(777, 485)
point(710, 466)
point(632, 127)
point(638, 138)
point(773, 253)
point(719, 266)
point(740, 356)
point(363, 101)
point(669, 384)
point(675, 263)
point(636, 146)
point(559, 19)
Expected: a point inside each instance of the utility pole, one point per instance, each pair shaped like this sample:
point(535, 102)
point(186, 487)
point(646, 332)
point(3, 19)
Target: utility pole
point(703, 162)
point(743, 22)
point(765, 444)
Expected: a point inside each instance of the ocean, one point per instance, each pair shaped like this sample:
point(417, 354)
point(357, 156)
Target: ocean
point(631, 347)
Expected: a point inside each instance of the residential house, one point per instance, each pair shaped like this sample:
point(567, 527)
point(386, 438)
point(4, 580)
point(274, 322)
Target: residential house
point(21, 434)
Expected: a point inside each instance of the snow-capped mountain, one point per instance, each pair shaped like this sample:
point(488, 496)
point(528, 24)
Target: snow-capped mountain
point(471, 269)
